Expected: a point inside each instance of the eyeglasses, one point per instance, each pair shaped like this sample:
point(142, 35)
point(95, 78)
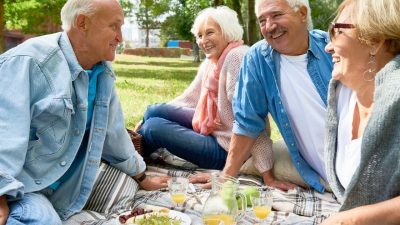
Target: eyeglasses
point(333, 28)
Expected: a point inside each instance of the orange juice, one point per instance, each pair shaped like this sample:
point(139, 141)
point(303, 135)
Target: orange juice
point(179, 198)
point(216, 219)
point(261, 212)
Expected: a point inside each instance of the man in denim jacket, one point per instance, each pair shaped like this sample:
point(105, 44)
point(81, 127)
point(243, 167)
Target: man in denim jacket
point(60, 115)
point(287, 76)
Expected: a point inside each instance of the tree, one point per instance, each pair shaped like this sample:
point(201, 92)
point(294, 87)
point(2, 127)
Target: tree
point(252, 24)
point(33, 16)
point(322, 12)
point(178, 24)
point(149, 15)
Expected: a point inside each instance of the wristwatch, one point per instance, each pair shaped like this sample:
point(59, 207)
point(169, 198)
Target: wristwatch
point(141, 178)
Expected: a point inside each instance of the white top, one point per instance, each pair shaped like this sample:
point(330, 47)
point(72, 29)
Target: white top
point(305, 109)
point(348, 152)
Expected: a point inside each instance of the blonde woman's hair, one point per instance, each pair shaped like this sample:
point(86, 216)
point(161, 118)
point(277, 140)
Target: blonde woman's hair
point(225, 17)
point(295, 5)
point(376, 20)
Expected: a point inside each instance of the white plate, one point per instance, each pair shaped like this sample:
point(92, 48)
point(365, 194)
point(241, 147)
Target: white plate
point(186, 220)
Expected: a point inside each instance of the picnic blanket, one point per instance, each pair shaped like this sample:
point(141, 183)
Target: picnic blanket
point(296, 206)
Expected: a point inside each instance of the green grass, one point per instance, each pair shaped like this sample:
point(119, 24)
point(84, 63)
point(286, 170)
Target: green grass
point(142, 81)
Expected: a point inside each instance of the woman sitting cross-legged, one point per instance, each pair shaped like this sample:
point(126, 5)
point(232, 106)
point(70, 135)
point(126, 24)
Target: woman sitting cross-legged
point(363, 117)
point(196, 126)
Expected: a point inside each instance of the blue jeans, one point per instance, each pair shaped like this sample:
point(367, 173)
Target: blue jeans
point(32, 209)
point(170, 127)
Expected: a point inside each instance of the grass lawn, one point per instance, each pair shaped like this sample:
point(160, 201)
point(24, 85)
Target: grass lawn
point(146, 80)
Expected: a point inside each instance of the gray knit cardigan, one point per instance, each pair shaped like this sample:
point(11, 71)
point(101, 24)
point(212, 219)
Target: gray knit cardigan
point(378, 175)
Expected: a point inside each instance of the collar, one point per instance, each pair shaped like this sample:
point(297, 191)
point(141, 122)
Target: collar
point(72, 61)
point(313, 49)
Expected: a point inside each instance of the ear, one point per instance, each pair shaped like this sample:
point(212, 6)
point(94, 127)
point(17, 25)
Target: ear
point(376, 46)
point(81, 22)
point(303, 13)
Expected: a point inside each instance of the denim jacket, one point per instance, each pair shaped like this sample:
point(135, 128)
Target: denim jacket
point(43, 110)
point(258, 93)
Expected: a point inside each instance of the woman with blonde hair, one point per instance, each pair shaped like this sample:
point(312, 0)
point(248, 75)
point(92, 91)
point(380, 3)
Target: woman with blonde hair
point(197, 125)
point(363, 120)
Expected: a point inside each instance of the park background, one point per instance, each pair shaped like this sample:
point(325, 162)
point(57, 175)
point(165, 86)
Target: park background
point(143, 80)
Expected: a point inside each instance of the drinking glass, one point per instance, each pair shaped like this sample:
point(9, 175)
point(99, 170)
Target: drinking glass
point(262, 205)
point(177, 187)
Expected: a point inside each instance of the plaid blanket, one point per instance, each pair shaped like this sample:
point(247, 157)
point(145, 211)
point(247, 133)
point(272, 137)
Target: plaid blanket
point(296, 206)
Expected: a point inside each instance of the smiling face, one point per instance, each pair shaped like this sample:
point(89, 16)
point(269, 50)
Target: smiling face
point(283, 28)
point(103, 32)
point(349, 55)
point(211, 40)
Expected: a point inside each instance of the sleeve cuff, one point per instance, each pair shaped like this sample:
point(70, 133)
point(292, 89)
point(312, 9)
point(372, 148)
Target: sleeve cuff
point(10, 186)
point(237, 129)
point(132, 166)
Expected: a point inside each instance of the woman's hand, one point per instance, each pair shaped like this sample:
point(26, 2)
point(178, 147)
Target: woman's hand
point(4, 210)
point(341, 218)
point(154, 183)
point(204, 179)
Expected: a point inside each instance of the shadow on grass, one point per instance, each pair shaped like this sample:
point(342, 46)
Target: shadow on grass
point(160, 63)
point(156, 74)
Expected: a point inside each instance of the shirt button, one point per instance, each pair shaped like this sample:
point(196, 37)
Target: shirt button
point(280, 103)
point(76, 132)
point(38, 182)
point(292, 144)
point(286, 125)
point(63, 163)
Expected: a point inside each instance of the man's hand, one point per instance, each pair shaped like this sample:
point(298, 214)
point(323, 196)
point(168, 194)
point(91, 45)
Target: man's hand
point(4, 210)
point(271, 181)
point(154, 183)
point(203, 178)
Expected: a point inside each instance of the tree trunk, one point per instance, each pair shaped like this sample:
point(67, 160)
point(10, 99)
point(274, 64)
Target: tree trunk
point(147, 36)
point(238, 9)
point(252, 23)
point(2, 44)
point(218, 2)
point(147, 26)
point(196, 52)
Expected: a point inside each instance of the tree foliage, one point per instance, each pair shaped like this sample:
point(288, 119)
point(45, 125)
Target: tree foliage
point(322, 12)
point(33, 16)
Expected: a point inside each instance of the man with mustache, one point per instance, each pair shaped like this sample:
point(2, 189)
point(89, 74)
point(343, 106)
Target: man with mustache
point(60, 116)
point(286, 75)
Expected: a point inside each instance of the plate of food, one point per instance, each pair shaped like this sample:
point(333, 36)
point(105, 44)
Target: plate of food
point(151, 215)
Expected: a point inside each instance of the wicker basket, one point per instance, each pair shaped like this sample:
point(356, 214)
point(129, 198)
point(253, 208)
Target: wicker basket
point(137, 140)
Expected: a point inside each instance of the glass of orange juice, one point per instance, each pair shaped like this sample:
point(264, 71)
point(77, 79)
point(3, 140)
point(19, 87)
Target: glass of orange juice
point(177, 187)
point(262, 205)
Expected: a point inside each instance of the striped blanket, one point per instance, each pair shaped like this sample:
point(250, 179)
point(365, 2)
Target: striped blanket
point(116, 193)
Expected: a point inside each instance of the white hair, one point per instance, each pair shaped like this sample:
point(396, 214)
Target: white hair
point(225, 17)
point(72, 9)
point(295, 5)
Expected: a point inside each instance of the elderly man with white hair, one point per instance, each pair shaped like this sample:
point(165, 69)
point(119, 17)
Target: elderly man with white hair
point(60, 116)
point(286, 75)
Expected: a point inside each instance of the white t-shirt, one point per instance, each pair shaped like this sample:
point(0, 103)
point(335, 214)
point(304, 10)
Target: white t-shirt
point(305, 109)
point(348, 152)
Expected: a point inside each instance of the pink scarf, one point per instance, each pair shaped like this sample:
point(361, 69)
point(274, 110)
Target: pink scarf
point(205, 116)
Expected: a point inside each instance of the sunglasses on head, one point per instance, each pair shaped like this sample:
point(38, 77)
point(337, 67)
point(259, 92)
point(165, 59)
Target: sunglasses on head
point(333, 28)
